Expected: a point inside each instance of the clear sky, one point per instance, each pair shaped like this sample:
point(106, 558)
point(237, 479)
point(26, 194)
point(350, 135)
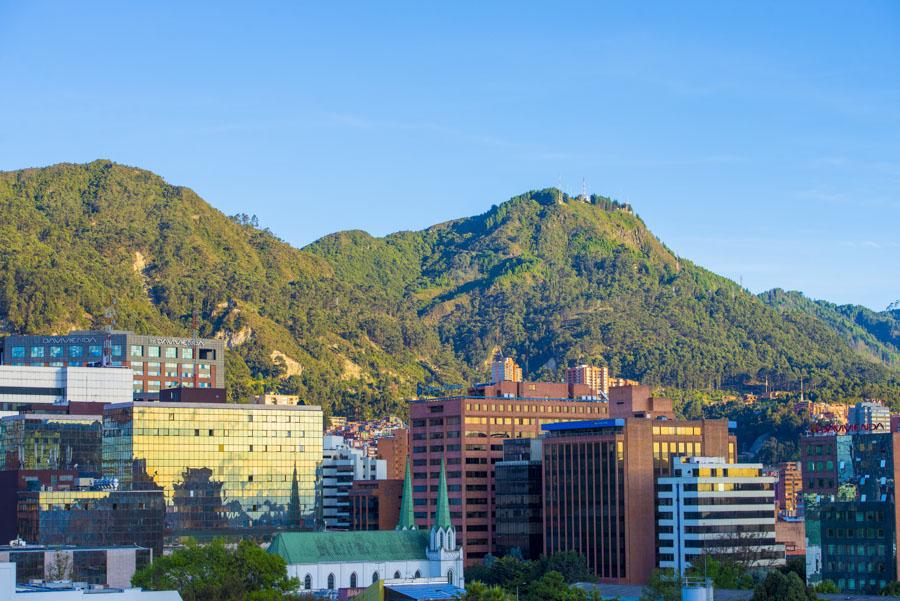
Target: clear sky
point(758, 139)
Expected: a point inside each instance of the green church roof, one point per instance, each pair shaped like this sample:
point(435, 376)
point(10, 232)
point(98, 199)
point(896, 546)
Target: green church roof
point(442, 515)
point(360, 545)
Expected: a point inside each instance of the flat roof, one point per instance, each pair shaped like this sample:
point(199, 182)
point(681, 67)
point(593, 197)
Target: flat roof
point(472, 397)
point(235, 406)
point(35, 548)
point(590, 424)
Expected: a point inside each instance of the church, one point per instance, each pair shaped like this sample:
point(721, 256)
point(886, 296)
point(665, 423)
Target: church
point(355, 560)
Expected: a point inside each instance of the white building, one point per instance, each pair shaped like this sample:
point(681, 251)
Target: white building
point(24, 384)
point(67, 591)
point(328, 561)
point(710, 507)
point(341, 465)
point(870, 416)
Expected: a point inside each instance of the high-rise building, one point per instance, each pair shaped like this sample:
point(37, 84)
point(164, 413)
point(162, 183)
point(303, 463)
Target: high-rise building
point(518, 499)
point(394, 449)
point(870, 415)
point(224, 469)
point(469, 431)
point(852, 535)
point(596, 377)
point(820, 457)
point(600, 481)
point(710, 507)
point(156, 362)
point(788, 487)
point(341, 465)
point(505, 369)
point(106, 565)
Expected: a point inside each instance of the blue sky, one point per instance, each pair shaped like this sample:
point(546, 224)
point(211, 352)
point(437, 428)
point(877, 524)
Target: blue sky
point(759, 140)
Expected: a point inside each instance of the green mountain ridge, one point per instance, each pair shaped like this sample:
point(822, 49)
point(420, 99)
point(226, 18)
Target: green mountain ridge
point(354, 322)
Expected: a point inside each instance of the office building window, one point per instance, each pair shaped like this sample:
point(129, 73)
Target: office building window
point(76, 350)
point(56, 364)
point(153, 351)
point(187, 353)
point(37, 352)
point(137, 350)
point(171, 353)
point(56, 352)
point(95, 350)
point(117, 350)
point(18, 352)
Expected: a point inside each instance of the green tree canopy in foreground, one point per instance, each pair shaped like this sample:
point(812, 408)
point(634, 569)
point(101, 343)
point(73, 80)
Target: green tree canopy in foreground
point(215, 572)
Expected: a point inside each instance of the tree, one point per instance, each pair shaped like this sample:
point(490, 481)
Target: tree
point(552, 586)
point(780, 587)
point(827, 587)
point(478, 591)
point(215, 572)
point(60, 567)
point(663, 585)
point(797, 565)
point(892, 589)
point(573, 566)
point(725, 573)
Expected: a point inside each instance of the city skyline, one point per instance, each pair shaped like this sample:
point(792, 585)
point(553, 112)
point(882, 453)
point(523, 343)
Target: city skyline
point(759, 144)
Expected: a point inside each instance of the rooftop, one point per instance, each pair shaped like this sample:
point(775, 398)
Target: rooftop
point(365, 545)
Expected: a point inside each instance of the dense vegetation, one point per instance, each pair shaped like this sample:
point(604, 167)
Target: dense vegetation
point(354, 322)
point(215, 572)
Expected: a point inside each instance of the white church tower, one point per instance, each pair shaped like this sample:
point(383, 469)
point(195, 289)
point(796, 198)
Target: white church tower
point(443, 553)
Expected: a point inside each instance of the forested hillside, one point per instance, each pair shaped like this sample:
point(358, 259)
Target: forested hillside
point(355, 322)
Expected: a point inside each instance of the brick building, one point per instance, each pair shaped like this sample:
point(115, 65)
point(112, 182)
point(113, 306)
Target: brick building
point(597, 377)
point(469, 431)
point(600, 487)
point(375, 504)
point(394, 449)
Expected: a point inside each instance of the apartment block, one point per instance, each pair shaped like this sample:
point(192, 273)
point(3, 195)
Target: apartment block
point(394, 449)
point(595, 377)
point(341, 466)
point(375, 504)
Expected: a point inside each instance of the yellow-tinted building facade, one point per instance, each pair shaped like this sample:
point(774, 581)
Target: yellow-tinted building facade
point(223, 468)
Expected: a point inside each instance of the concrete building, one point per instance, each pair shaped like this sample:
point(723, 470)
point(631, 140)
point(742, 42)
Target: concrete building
point(224, 469)
point(636, 401)
point(505, 369)
point(47, 385)
point(870, 415)
point(106, 566)
point(71, 591)
point(469, 431)
point(156, 362)
point(518, 499)
point(600, 479)
point(710, 507)
point(596, 377)
point(332, 561)
point(341, 465)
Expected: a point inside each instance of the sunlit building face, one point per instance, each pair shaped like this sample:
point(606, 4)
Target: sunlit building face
point(223, 468)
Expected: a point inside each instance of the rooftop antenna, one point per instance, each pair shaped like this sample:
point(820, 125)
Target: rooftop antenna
point(559, 192)
point(584, 194)
point(109, 323)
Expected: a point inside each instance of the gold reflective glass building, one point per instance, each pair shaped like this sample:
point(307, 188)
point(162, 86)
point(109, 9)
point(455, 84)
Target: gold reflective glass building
point(223, 468)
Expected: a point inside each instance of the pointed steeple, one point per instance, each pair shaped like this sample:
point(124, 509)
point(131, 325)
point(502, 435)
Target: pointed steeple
point(442, 516)
point(407, 517)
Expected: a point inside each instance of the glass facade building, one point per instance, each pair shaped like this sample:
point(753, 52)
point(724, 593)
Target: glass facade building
point(69, 443)
point(92, 518)
point(851, 535)
point(223, 469)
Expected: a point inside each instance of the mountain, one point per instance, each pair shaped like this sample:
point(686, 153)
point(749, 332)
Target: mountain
point(354, 322)
point(875, 335)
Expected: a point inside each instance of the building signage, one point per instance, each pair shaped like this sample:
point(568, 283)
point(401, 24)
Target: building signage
point(176, 341)
point(69, 339)
point(846, 428)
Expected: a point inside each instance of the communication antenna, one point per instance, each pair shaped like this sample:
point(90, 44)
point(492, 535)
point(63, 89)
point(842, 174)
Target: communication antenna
point(584, 194)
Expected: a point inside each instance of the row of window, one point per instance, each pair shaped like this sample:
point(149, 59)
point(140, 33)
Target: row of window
point(169, 352)
point(58, 352)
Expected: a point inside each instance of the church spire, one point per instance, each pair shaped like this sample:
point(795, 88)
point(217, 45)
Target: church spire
point(442, 516)
point(407, 517)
